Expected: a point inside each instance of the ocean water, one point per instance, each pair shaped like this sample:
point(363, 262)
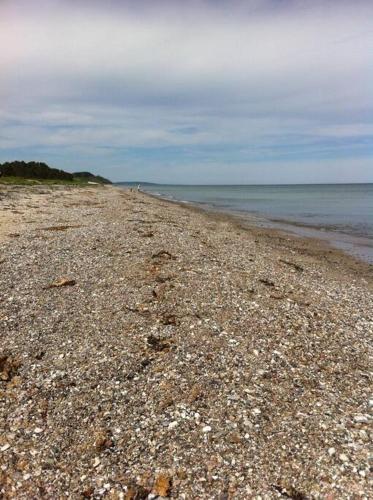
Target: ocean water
point(340, 213)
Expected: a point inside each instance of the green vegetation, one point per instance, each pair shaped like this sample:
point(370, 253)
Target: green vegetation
point(88, 177)
point(31, 173)
point(34, 182)
point(33, 170)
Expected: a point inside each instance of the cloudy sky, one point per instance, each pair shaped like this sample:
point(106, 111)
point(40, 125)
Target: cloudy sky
point(197, 91)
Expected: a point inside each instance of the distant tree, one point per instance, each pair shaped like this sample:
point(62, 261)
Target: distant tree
point(39, 170)
point(33, 170)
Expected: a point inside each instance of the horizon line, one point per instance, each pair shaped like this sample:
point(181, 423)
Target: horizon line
point(256, 184)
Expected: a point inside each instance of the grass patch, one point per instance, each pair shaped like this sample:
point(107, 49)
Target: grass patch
point(22, 181)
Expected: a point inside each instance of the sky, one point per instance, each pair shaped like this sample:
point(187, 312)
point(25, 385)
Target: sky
point(197, 91)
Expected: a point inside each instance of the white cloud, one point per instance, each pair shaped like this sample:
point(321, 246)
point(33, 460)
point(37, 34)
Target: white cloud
point(347, 130)
point(254, 75)
point(268, 56)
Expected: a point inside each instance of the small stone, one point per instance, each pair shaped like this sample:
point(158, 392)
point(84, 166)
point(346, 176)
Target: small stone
point(206, 429)
point(235, 438)
point(361, 419)
point(256, 411)
point(38, 430)
point(96, 462)
point(343, 457)
point(331, 451)
point(172, 425)
point(5, 447)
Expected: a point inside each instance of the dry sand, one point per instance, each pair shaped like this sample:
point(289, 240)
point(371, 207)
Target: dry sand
point(151, 350)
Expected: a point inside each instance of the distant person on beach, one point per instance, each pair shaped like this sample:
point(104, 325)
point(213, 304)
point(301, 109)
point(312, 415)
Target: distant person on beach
point(138, 187)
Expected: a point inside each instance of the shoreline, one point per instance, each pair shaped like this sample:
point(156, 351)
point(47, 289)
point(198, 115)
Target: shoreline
point(357, 246)
point(150, 349)
point(311, 245)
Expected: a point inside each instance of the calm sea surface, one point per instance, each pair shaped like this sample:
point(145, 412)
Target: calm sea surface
point(340, 213)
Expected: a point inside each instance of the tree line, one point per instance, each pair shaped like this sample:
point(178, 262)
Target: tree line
point(33, 170)
point(40, 170)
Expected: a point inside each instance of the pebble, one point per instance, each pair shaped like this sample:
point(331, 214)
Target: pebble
point(361, 419)
point(343, 457)
point(302, 407)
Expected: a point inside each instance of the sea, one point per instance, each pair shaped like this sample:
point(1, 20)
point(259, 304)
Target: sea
point(342, 214)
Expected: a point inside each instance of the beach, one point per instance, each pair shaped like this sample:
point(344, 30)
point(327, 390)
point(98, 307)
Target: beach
point(150, 349)
point(340, 214)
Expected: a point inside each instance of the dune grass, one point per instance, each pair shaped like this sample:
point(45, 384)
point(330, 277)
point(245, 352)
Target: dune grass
point(9, 180)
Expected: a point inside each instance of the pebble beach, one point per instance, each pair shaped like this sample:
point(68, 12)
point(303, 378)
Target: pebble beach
point(153, 350)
